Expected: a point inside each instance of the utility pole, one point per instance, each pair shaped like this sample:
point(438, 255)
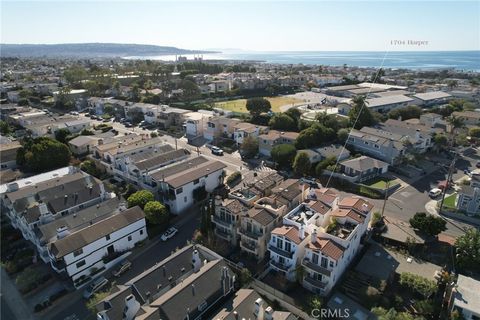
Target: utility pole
point(387, 186)
point(449, 177)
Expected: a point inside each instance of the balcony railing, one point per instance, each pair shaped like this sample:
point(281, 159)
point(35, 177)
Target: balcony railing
point(315, 267)
point(251, 234)
point(227, 224)
point(249, 246)
point(281, 252)
point(223, 234)
point(279, 265)
point(314, 282)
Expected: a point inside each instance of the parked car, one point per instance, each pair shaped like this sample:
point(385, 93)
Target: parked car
point(217, 151)
point(93, 117)
point(435, 192)
point(310, 181)
point(128, 125)
point(95, 287)
point(169, 233)
point(478, 165)
point(124, 266)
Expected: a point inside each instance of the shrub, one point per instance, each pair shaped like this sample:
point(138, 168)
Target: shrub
point(140, 198)
point(234, 177)
point(418, 283)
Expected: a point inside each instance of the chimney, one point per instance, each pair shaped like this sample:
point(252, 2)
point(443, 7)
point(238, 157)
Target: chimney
point(100, 142)
point(259, 311)
point(235, 315)
point(197, 263)
point(65, 199)
point(131, 307)
point(314, 236)
point(62, 232)
point(193, 289)
point(417, 134)
point(301, 232)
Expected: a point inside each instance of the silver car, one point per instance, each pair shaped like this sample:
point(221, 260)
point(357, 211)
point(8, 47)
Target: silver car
point(94, 287)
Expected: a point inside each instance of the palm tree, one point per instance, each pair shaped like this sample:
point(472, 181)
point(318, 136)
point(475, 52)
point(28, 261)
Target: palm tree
point(455, 123)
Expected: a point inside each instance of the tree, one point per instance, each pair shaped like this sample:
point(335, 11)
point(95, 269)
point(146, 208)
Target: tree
point(392, 314)
point(455, 123)
point(295, 114)
point(474, 132)
point(428, 224)
point(245, 277)
point(89, 167)
point(43, 154)
point(257, 106)
point(190, 89)
point(359, 115)
point(322, 165)
point(140, 198)
point(301, 164)
point(314, 136)
point(342, 135)
point(5, 129)
point(424, 286)
point(135, 92)
point(249, 147)
point(282, 122)
point(328, 120)
point(405, 113)
point(62, 134)
point(440, 140)
point(283, 154)
point(155, 212)
point(468, 249)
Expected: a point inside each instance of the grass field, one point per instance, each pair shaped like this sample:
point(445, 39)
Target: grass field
point(239, 105)
point(380, 184)
point(449, 201)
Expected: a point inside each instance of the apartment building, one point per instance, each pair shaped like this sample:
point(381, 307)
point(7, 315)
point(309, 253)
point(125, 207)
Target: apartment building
point(220, 127)
point(227, 219)
point(41, 202)
point(80, 254)
point(8, 155)
point(191, 282)
point(468, 200)
point(323, 236)
point(432, 98)
point(176, 185)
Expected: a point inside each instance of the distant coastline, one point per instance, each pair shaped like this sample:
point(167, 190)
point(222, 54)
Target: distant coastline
point(418, 60)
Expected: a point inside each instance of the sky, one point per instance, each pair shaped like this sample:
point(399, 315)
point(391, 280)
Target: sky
point(249, 25)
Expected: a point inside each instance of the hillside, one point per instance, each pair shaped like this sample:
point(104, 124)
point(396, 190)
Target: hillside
point(90, 50)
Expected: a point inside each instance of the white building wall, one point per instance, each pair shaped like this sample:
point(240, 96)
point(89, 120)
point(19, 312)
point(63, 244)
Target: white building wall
point(95, 251)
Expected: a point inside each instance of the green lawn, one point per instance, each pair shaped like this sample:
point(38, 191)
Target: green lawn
point(449, 201)
point(239, 105)
point(380, 183)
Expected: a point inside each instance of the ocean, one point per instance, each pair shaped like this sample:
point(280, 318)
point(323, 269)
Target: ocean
point(425, 60)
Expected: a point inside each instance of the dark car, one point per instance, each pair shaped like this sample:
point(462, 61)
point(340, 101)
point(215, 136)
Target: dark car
point(478, 165)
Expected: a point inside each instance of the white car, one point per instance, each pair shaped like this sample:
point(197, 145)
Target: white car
point(435, 192)
point(169, 233)
point(217, 151)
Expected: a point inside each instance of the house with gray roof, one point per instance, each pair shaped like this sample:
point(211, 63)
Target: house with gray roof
point(363, 168)
point(186, 285)
point(81, 252)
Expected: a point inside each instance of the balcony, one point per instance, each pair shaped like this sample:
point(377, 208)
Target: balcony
point(249, 246)
point(314, 282)
point(315, 267)
point(222, 222)
point(251, 234)
point(279, 266)
point(281, 252)
point(223, 234)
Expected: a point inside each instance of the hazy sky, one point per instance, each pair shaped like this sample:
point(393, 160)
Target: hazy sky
point(248, 25)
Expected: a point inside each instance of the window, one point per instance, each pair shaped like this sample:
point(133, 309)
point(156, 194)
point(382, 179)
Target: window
point(141, 232)
point(366, 143)
point(281, 260)
point(185, 199)
point(107, 237)
point(288, 246)
point(331, 264)
point(78, 252)
point(324, 262)
point(179, 190)
point(196, 181)
point(279, 243)
point(80, 264)
point(315, 258)
point(129, 238)
point(376, 146)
